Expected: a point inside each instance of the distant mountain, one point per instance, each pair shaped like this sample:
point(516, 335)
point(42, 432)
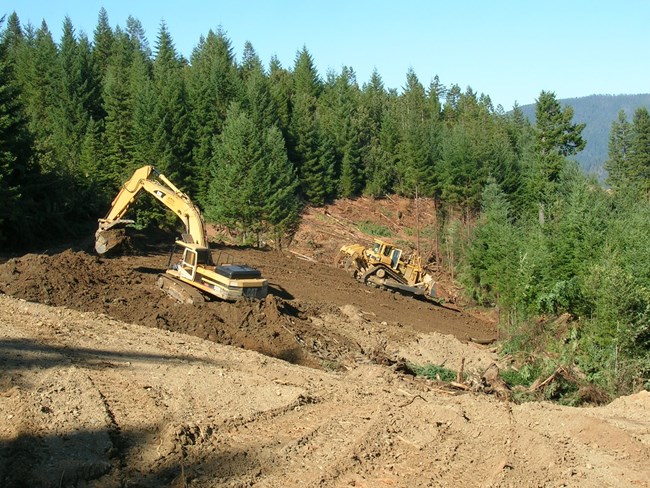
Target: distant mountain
point(598, 112)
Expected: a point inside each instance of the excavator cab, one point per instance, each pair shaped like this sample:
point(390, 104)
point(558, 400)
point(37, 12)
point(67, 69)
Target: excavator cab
point(191, 258)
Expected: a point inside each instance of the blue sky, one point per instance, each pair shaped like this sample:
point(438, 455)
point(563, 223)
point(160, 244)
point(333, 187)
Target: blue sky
point(509, 50)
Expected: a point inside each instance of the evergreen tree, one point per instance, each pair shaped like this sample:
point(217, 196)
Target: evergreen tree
point(15, 153)
point(282, 204)
point(40, 81)
point(556, 134)
point(144, 116)
point(74, 92)
point(212, 85)
point(619, 175)
point(250, 63)
point(492, 256)
point(137, 36)
point(235, 197)
point(311, 153)
point(258, 100)
point(254, 185)
point(640, 150)
point(340, 120)
point(172, 136)
point(556, 137)
point(119, 107)
point(103, 42)
point(416, 166)
point(12, 37)
point(280, 86)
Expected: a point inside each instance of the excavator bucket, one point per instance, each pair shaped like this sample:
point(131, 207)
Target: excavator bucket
point(112, 237)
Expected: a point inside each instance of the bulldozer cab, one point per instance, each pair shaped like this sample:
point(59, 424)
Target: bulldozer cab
point(385, 253)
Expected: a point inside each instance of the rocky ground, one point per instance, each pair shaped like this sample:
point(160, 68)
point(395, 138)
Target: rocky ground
point(105, 381)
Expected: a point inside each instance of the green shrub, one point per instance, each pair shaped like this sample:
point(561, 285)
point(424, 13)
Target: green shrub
point(374, 229)
point(434, 372)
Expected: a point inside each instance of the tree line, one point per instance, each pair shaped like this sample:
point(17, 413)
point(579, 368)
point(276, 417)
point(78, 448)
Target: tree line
point(250, 143)
point(253, 143)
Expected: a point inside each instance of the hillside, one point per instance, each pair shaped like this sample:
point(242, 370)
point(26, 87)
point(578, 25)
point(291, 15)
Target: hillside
point(598, 112)
point(105, 381)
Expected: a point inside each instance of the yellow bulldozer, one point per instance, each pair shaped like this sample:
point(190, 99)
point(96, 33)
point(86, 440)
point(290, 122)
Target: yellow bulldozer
point(387, 266)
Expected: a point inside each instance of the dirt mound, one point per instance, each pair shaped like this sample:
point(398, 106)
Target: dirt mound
point(121, 289)
point(294, 323)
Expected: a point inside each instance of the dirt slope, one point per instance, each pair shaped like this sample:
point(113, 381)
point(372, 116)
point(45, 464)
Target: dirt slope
point(86, 400)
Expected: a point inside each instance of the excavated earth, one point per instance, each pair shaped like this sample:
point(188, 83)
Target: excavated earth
point(105, 381)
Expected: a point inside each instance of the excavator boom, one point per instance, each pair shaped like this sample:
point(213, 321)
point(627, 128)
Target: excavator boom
point(148, 179)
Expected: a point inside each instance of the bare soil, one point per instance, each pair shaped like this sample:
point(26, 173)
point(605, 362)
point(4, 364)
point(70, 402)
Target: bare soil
point(105, 381)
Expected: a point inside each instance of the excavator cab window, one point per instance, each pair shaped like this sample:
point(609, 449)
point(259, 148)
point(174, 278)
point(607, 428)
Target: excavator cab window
point(188, 265)
point(376, 248)
point(203, 256)
point(387, 250)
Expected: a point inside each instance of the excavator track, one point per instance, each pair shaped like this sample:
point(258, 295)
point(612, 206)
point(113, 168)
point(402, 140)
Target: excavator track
point(179, 290)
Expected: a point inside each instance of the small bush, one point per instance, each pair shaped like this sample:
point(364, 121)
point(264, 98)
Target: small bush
point(374, 229)
point(524, 376)
point(434, 372)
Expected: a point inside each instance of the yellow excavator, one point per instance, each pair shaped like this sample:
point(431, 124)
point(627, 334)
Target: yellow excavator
point(195, 277)
point(387, 266)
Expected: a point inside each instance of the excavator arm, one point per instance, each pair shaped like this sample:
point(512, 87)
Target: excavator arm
point(149, 180)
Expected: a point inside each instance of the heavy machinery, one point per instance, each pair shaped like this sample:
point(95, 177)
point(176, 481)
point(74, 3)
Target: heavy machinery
point(194, 277)
point(387, 266)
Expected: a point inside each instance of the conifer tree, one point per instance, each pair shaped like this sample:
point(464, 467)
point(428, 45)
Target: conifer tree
point(491, 271)
point(144, 108)
point(619, 174)
point(280, 86)
point(172, 136)
point(119, 107)
point(137, 36)
point(74, 94)
point(312, 154)
point(415, 168)
point(40, 79)
point(281, 185)
point(556, 137)
point(339, 115)
point(250, 62)
point(640, 150)
point(235, 197)
point(212, 85)
point(16, 171)
point(103, 42)
point(257, 100)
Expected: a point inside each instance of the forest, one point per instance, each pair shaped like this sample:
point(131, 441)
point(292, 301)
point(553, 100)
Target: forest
point(564, 258)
